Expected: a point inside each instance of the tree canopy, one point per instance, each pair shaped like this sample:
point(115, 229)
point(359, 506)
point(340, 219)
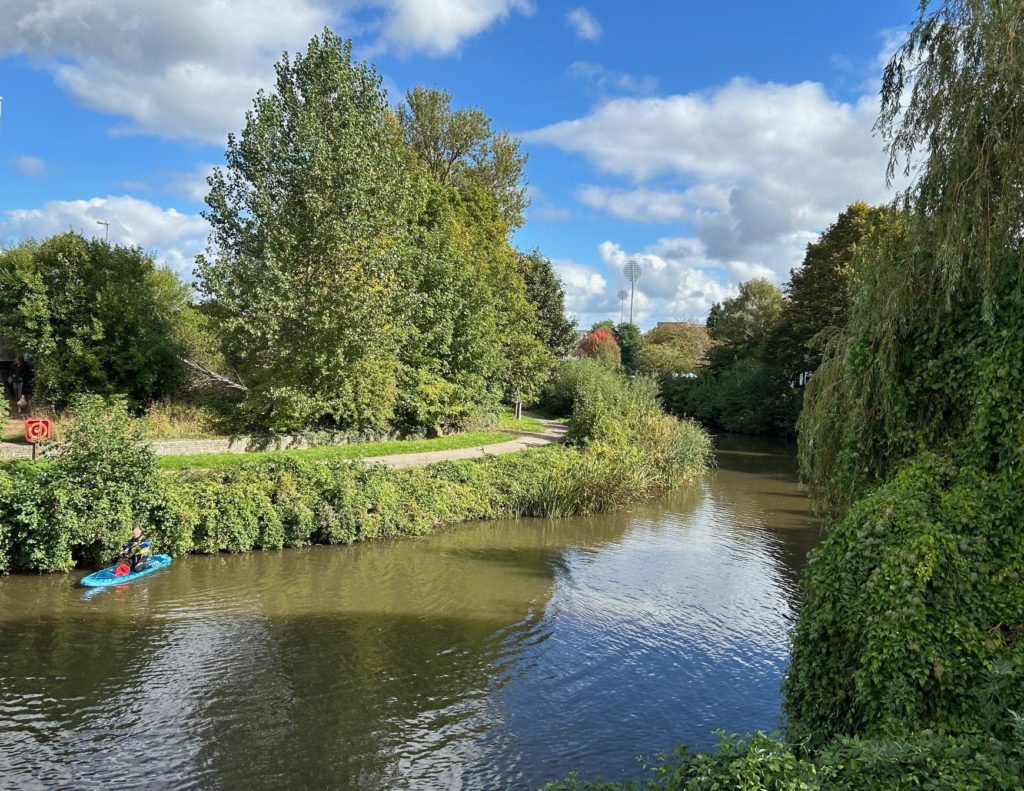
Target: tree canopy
point(96, 318)
point(360, 258)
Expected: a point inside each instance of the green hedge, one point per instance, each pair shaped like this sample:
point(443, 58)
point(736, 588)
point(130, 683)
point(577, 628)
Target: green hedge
point(77, 509)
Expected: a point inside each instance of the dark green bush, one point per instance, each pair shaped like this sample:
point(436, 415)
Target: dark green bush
point(914, 616)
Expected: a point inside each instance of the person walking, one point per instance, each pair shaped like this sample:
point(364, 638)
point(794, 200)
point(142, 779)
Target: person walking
point(20, 374)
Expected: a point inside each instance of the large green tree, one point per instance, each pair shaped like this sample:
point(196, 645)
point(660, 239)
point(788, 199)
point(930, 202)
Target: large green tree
point(96, 318)
point(310, 241)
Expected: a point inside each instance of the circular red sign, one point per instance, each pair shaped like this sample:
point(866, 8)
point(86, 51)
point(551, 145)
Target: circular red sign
point(37, 429)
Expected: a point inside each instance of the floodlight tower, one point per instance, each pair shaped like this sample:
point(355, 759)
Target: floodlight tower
point(632, 272)
point(622, 303)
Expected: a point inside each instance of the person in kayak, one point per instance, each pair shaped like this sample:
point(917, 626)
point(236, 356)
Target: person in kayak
point(138, 550)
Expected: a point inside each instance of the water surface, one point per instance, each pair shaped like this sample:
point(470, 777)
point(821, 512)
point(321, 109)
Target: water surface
point(493, 655)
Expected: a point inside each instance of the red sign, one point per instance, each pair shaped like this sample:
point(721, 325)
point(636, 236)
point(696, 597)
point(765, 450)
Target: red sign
point(37, 429)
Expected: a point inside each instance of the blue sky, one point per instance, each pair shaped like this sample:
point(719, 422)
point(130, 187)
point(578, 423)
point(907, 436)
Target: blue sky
point(708, 141)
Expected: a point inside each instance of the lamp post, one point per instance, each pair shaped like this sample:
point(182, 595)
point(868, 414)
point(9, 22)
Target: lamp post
point(622, 303)
point(106, 229)
point(632, 272)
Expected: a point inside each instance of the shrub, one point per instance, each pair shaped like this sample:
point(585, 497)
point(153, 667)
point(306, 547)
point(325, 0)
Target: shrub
point(913, 616)
point(764, 763)
point(101, 482)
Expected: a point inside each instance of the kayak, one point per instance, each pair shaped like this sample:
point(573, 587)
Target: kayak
point(106, 576)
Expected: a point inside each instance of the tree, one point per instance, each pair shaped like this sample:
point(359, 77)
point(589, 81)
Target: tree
point(310, 238)
point(459, 149)
point(631, 343)
point(95, 318)
point(600, 345)
point(911, 432)
point(544, 290)
point(674, 347)
point(749, 316)
point(821, 289)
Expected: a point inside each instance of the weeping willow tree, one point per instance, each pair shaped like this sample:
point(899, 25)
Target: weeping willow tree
point(943, 279)
point(913, 428)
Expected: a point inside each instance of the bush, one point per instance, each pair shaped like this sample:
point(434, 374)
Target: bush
point(913, 617)
point(573, 377)
point(764, 763)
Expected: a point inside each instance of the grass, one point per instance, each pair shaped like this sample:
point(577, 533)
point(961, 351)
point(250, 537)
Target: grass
point(352, 451)
point(508, 422)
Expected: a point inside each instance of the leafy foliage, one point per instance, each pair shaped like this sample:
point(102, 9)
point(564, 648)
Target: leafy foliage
point(96, 318)
point(911, 431)
point(600, 344)
point(101, 482)
point(631, 344)
point(310, 224)
point(360, 268)
point(546, 293)
point(763, 763)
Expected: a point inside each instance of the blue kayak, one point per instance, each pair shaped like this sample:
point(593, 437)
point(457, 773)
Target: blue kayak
point(106, 576)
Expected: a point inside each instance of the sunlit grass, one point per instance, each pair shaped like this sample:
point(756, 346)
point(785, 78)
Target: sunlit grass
point(331, 452)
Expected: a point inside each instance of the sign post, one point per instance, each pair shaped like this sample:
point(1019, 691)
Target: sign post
point(37, 429)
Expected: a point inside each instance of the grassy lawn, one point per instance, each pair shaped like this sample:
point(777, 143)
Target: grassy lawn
point(328, 452)
point(507, 421)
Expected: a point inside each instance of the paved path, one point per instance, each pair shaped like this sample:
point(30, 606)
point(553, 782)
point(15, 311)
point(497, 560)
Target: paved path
point(553, 432)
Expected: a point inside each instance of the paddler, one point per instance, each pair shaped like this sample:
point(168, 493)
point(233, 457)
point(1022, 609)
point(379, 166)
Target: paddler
point(138, 550)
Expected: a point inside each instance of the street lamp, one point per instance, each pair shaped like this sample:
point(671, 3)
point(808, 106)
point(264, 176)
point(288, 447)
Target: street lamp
point(632, 272)
point(106, 229)
point(622, 303)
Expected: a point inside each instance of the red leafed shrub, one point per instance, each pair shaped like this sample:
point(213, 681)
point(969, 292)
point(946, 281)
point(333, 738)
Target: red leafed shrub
point(600, 345)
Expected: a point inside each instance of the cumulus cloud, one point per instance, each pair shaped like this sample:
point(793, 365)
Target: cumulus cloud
point(438, 27)
point(753, 170)
point(190, 68)
point(677, 279)
point(30, 167)
point(583, 24)
point(653, 205)
point(174, 237)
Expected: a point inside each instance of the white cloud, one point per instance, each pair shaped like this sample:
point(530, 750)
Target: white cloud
point(583, 24)
point(438, 27)
point(675, 281)
point(755, 170)
point(176, 238)
point(30, 167)
point(605, 81)
point(190, 68)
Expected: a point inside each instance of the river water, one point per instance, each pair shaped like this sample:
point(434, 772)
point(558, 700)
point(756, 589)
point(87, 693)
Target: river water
point(495, 655)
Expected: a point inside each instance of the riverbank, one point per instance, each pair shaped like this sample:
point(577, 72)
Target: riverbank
point(77, 509)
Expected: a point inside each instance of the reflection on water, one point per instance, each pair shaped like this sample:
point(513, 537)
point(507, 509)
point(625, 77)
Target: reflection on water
point(494, 655)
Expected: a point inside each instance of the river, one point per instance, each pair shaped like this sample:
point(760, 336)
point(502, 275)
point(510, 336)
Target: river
point(494, 655)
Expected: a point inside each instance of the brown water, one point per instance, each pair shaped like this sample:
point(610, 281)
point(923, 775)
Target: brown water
point(494, 655)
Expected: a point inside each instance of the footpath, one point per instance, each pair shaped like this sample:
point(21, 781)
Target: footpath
point(553, 432)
